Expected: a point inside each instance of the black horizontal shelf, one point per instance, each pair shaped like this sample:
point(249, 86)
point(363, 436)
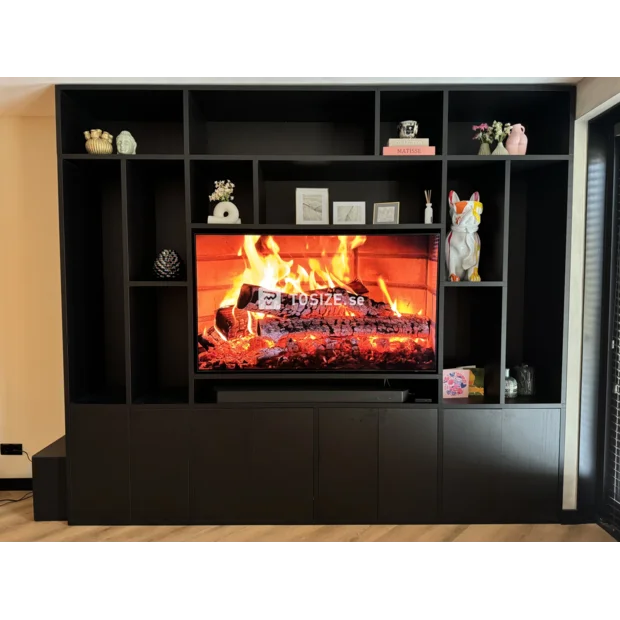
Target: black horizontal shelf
point(475, 402)
point(530, 402)
point(466, 284)
point(531, 158)
point(163, 283)
point(137, 156)
point(236, 376)
point(301, 229)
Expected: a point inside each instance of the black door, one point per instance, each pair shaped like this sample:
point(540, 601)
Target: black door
point(610, 504)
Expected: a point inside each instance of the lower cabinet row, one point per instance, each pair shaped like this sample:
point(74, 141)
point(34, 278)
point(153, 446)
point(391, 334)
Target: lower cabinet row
point(304, 465)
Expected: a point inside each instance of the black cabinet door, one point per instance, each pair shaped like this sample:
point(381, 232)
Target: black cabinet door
point(530, 465)
point(501, 465)
point(252, 466)
point(98, 465)
point(471, 464)
point(282, 465)
point(159, 465)
point(407, 465)
point(220, 466)
point(348, 439)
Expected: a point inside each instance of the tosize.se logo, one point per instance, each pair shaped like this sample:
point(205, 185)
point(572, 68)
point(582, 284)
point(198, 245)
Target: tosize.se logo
point(269, 300)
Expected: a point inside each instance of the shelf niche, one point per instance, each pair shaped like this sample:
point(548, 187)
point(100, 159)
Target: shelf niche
point(93, 237)
point(156, 214)
point(386, 180)
point(486, 176)
point(545, 114)
point(159, 355)
point(472, 335)
point(536, 274)
point(425, 107)
point(204, 173)
point(281, 122)
point(153, 117)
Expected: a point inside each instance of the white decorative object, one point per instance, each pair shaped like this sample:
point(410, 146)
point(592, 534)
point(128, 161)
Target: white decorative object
point(349, 213)
point(408, 129)
point(312, 205)
point(428, 212)
point(225, 212)
point(386, 213)
point(126, 144)
point(463, 242)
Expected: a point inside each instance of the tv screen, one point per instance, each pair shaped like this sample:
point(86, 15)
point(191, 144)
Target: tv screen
point(316, 302)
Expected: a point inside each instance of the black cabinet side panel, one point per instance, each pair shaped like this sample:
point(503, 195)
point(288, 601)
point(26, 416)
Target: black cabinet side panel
point(98, 463)
point(159, 465)
point(282, 475)
point(347, 465)
point(407, 466)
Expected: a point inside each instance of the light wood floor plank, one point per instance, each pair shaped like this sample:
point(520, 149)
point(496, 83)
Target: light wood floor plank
point(16, 524)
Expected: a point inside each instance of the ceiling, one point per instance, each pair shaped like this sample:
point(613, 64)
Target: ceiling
point(32, 96)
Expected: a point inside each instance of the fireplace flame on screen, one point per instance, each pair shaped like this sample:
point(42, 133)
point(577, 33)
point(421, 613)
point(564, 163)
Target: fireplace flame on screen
point(297, 336)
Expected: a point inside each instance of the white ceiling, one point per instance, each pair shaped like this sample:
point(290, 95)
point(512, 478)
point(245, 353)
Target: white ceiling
point(481, 77)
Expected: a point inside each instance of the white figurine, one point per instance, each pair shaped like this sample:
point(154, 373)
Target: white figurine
point(126, 144)
point(463, 242)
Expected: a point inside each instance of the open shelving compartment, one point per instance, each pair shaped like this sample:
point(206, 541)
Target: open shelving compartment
point(93, 264)
point(159, 355)
point(487, 176)
point(204, 174)
point(472, 336)
point(153, 117)
point(155, 214)
point(425, 107)
point(545, 114)
point(282, 122)
point(536, 274)
point(372, 181)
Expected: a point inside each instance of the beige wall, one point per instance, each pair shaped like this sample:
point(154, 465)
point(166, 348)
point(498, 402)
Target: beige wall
point(31, 375)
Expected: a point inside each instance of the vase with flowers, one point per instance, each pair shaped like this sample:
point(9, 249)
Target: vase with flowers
point(225, 212)
point(485, 136)
point(500, 132)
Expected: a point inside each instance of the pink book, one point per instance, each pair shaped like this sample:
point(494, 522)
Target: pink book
point(408, 150)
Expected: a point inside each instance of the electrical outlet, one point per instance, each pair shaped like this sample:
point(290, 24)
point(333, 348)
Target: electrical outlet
point(10, 449)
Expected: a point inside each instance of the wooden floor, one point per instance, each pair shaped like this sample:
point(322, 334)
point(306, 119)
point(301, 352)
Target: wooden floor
point(16, 524)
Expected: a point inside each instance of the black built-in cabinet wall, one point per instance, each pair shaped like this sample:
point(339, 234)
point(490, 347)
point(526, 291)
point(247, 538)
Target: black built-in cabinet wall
point(146, 441)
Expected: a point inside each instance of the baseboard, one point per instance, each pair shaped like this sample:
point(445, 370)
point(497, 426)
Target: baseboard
point(575, 517)
point(15, 484)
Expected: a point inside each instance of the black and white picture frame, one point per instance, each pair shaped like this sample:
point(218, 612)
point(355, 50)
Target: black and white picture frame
point(386, 213)
point(312, 205)
point(349, 213)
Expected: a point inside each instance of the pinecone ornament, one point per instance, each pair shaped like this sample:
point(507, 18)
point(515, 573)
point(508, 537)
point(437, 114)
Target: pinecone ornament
point(167, 265)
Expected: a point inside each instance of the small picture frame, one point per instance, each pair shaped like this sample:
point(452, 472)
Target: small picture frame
point(349, 213)
point(312, 205)
point(386, 213)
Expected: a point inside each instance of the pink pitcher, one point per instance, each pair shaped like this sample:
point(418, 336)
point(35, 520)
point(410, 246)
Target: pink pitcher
point(517, 140)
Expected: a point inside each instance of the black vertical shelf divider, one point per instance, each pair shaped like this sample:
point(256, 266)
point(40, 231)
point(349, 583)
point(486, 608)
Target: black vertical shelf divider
point(126, 296)
point(506, 244)
point(189, 252)
point(378, 144)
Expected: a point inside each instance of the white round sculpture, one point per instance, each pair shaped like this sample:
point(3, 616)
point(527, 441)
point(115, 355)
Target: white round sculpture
point(224, 213)
point(126, 144)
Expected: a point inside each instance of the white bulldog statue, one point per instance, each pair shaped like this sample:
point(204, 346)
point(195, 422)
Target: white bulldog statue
point(463, 242)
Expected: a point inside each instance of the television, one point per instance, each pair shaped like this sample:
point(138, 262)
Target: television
point(316, 303)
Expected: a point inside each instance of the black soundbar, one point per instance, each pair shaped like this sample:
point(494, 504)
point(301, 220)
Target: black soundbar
point(311, 396)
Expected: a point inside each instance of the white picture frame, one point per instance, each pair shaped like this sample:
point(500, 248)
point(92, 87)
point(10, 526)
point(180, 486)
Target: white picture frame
point(349, 212)
point(312, 205)
point(385, 213)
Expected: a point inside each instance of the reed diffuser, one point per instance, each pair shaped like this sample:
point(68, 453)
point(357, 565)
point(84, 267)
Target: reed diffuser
point(428, 212)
